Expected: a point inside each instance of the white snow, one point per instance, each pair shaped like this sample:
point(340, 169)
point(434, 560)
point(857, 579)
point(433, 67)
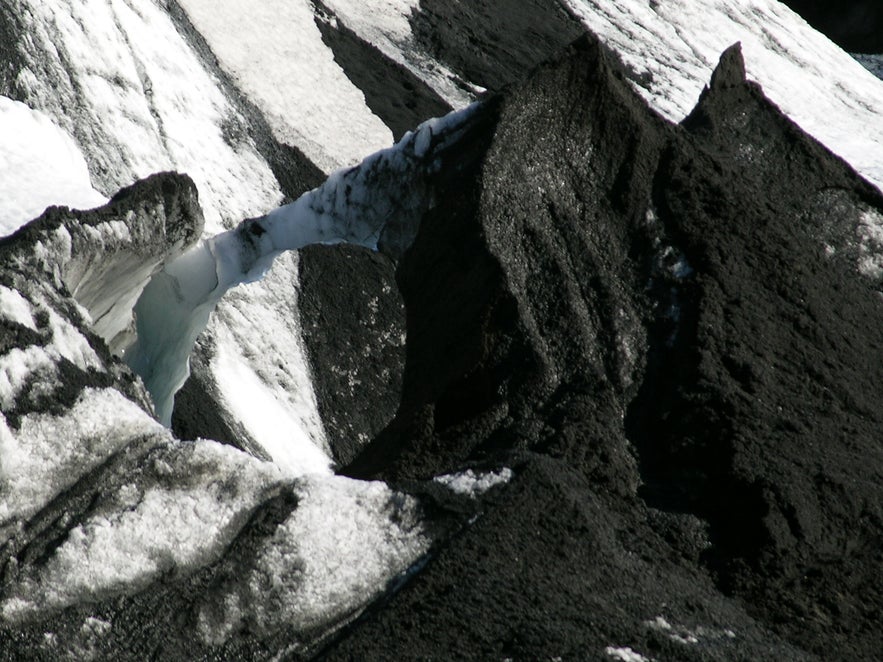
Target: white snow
point(675, 45)
point(119, 77)
point(624, 654)
point(36, 365)
point(40, 165)
point(20, 366)
point(274, 51)
point(472, 484)
point(687, 636)
point(47, 453)
point(67, 342)
point(151, 530)
point(334, 553)
point(15, 308)
point(264, 379)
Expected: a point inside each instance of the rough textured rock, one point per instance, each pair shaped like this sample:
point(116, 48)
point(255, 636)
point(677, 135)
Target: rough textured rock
point(506, 332)
point(678, 317)
point(353, 326)
point(554, 568)
point(764, 413)
point(493, 43)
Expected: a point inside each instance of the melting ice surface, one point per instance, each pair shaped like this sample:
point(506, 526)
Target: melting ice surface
point(391, 188)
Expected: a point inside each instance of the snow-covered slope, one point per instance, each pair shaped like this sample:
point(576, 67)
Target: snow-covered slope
point(39, 166)
point(121, 79)
point(275, 53)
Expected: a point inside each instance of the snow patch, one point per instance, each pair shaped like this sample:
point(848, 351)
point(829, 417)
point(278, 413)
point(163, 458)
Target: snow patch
point(870, 233)
point(40, 165)
point(37, 365)
point(344, 541)
point(15, 308)
point(624, 654)
point(684, 635)
point(18, 367)
point(472, 484)
point(282, 431)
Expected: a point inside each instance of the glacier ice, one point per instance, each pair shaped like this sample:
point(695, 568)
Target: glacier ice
point(275, 53)
point(122, 81)
point(389, 189)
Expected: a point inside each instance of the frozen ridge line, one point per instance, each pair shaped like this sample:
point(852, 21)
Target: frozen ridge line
point(378, 202)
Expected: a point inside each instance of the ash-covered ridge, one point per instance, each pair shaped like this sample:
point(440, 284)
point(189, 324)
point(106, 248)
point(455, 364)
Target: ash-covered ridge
point(636, 418)
point(653, 345)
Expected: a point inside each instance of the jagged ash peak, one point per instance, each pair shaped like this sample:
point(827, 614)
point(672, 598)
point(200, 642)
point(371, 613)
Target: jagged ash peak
point(671, 47)
point(656, 315)
point(730, 71)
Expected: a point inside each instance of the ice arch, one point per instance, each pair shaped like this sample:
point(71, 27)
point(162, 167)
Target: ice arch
point(381, 199)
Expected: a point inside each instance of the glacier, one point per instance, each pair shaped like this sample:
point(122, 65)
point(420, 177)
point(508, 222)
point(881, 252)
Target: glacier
point(115, 91)
point(671, 50)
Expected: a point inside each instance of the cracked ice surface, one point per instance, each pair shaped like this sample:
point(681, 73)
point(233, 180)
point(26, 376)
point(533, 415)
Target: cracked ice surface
point(275, 53)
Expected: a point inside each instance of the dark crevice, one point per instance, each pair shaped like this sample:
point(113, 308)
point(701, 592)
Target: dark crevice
point(11, 62)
